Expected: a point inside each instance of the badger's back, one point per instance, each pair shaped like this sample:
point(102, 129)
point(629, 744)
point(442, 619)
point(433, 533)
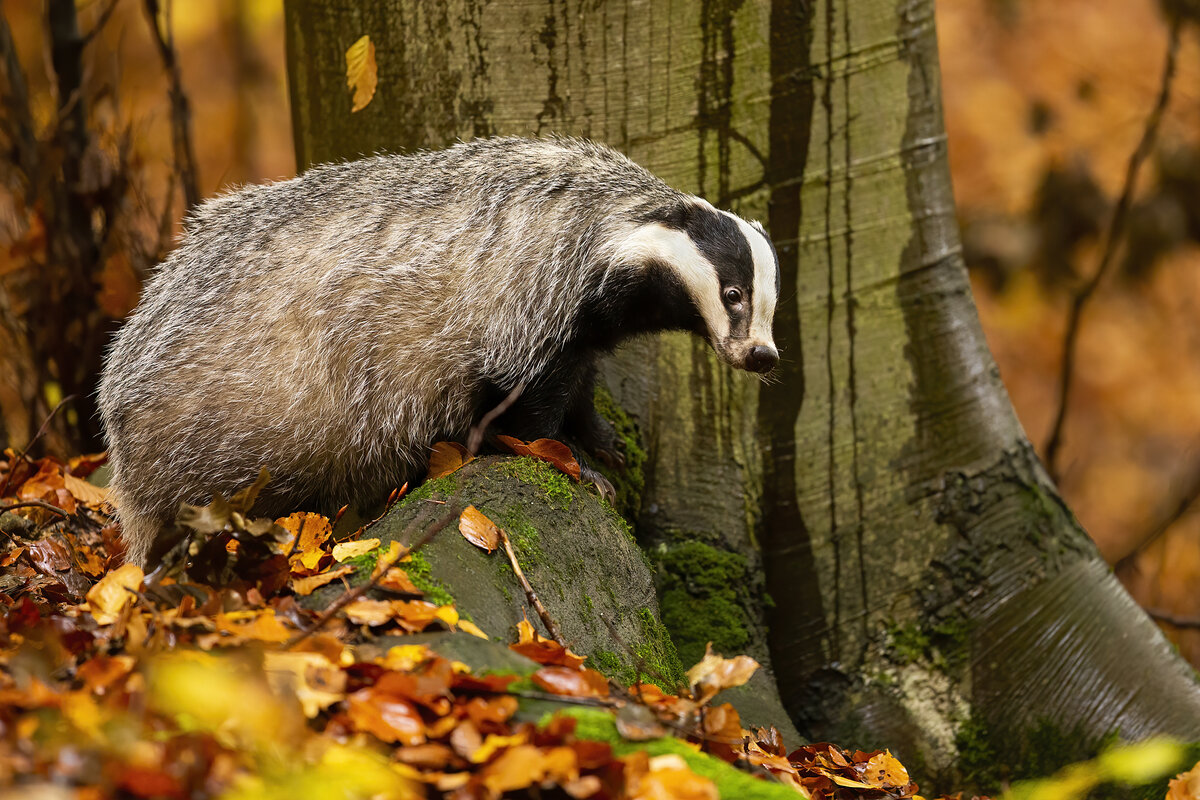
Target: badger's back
point(330, 327)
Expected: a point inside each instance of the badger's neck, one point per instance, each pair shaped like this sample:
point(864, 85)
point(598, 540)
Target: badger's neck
point(646, 299)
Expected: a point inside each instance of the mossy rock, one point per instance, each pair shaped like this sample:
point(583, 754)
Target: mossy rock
point(578, 555)
point(581, 559)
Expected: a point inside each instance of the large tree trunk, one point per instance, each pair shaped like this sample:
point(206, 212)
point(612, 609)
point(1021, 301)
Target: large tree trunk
point(925, 587)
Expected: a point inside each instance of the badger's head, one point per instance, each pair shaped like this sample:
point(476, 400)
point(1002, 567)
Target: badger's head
point(720, 270)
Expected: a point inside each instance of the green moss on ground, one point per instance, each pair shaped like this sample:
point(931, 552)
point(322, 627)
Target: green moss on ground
point(703, 599)
point(731, 782)
point(555, 486)
point(944, 645)
point(654, 661)
point(421, 574)
point(630, 482)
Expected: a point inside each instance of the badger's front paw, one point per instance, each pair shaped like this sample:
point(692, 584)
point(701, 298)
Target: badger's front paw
point(602, 484)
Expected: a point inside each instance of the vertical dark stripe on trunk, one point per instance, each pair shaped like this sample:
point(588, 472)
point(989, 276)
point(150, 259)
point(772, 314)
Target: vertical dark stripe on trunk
point(797, 620)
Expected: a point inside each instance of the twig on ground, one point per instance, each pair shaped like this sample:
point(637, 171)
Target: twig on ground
point(35, 504)
point(1115, 233)
point(530, 594)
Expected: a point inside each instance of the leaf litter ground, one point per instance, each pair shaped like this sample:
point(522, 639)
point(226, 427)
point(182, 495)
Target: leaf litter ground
point(215, 682)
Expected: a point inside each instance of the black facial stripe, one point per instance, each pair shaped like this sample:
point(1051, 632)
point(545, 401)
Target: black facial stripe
point(719, 239)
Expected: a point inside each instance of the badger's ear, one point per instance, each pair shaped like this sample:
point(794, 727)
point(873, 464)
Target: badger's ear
point(675, 214)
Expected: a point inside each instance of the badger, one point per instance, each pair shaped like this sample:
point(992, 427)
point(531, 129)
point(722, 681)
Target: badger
point(332, 327)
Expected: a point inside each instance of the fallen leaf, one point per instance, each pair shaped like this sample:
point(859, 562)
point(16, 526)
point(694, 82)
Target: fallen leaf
point(572, 682)
point(544, 651)
point(315, 681)
point(347, 550)
point(308, 585)
point(446, 457)
point(108, 598)
point(85, 492)
point(549, 450)
point(1185, 786)
point(361, 72)
point(389, 718)
point(477, 529)
point(714, 673)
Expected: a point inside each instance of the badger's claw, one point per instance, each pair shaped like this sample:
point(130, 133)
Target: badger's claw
point(612, 459)
point(602, 484)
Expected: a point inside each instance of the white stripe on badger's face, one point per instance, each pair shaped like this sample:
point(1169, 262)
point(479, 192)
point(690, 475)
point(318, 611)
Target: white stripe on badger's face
point(764, 296)
point(697, 273)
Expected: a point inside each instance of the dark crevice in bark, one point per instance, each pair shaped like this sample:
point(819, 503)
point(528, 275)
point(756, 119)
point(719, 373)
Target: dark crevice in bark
point(797, 621)
point(715, 94)
point(831, 388)
point(851, 329)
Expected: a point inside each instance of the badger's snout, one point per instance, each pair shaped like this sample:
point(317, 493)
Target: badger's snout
point(761, 358)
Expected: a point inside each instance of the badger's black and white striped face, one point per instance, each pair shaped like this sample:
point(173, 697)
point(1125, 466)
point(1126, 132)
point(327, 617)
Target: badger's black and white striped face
point(728, 268)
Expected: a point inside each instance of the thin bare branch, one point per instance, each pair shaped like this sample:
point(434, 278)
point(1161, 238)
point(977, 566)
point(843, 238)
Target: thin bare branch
point(181, 126)
point(1174, 620)
point(105, 15)
point(19, 118)
point(1115, 233)
point(1186, 499)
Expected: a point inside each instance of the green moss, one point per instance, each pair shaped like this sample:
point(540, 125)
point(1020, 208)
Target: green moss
point(703, 599)
point(654, 660)
point(630, 482)
point(421, 574)
point(526, 539)
point(943, 645)
point(977, 759)
point(555, 486)
point(731, 782)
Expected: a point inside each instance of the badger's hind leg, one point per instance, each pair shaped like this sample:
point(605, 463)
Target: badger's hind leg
point(144, 535)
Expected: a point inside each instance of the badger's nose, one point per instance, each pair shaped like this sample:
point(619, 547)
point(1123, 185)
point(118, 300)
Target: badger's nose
point(761, 358)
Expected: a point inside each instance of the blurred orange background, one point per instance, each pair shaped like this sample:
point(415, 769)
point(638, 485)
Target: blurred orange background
point(1045, 100)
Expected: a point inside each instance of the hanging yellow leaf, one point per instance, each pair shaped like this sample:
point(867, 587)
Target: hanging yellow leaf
point(361, 72)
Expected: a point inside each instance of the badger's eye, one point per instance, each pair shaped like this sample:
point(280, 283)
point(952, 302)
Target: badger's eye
point(733, 295)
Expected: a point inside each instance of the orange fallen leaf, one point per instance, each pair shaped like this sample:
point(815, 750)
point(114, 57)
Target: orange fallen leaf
point(1185, 786)
point(445, 458)
point(389, 718)
point(477, 529)
point(544, 651)
point(572, 682)
point(549, 450)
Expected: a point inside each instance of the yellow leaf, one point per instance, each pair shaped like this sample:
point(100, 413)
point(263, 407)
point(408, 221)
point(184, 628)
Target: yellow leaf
point(348, 550)
point(114, 591)
point(83, 491)
point(306, 586)
point(406, 657)
point(361, 72)
point(466, 626)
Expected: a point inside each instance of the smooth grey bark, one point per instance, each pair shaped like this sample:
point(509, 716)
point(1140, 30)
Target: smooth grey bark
point(928, 590)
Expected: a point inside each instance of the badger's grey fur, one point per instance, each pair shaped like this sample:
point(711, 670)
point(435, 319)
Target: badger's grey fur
point(331, 327)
